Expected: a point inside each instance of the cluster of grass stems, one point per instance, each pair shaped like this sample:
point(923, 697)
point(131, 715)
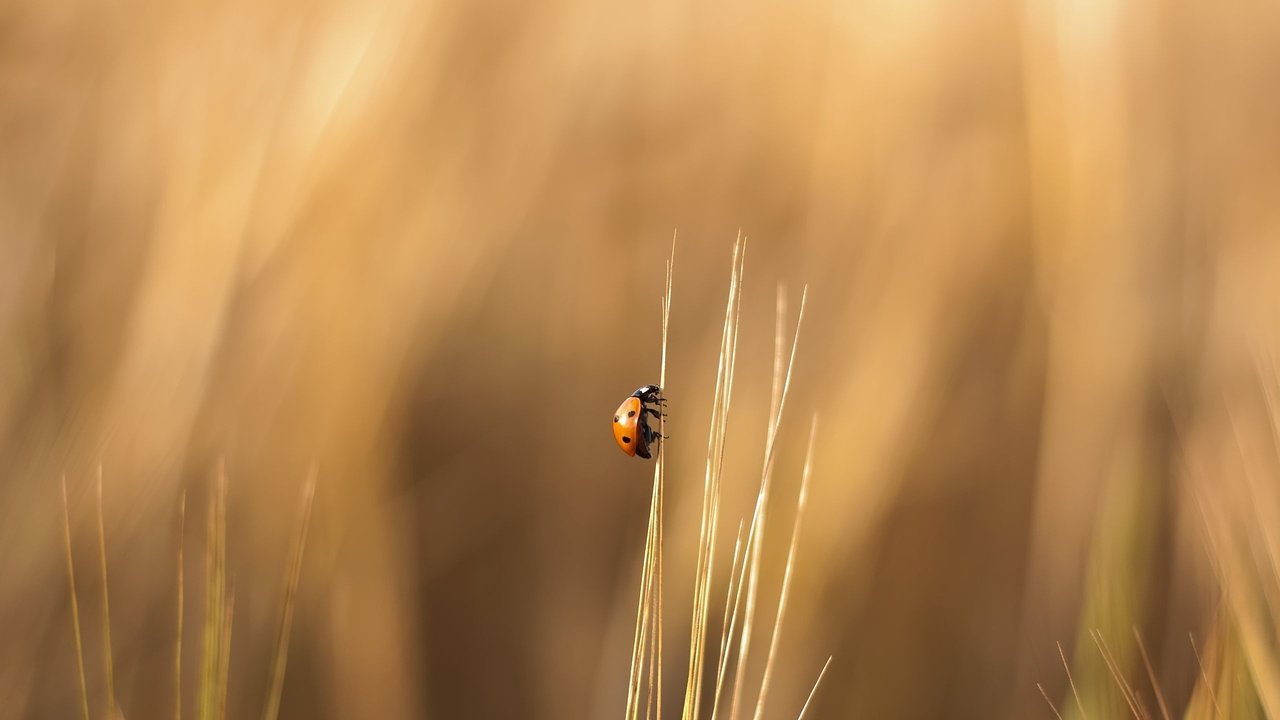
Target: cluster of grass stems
point(644, 690)
point(1238, 662)
point(219, 610)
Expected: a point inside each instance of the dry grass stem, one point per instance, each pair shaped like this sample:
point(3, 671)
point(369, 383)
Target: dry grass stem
point(112, 710)
point(740, 593)
point(75, 604)
point(1052, 707)
point(1114, 668)
point(292, 575)
point(711, 487)
point(729, 619)
point(1151, 675)
point(1072, 682)
point(647, 641)
point(177, 646)
point(755, 535)
point(224, 667)
point(814, 691)
point(1204, 677)
point(784, 593)
point(216, 614)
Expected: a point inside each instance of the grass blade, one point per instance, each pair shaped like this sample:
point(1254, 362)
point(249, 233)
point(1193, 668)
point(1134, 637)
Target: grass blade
point(786, 577)
point(647, 641)
point(1072, 682)
point(215, 613)
point(112, 710)
point(1052, 707)
point(755, 536)
point(292, 575)
point(814, 691)
point(177, 649)
point(75, 605)
point(1151, 675)
point(711, 486)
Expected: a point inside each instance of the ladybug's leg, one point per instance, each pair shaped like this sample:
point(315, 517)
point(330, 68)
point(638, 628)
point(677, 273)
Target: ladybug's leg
point(649, 433)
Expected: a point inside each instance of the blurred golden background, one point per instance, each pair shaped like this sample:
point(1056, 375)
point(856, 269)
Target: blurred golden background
point(420, 245)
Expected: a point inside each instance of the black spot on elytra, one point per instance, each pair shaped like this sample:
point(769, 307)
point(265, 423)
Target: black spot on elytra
point(626, 439)
point(631, 413)
point(616, 418)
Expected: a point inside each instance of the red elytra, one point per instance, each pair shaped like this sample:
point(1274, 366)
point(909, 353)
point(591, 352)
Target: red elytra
point(631, 427)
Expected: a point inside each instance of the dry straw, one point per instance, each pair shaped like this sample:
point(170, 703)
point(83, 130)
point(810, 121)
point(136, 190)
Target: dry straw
point(743, 586)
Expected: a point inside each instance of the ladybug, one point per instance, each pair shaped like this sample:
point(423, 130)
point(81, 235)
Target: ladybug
point(630, 424)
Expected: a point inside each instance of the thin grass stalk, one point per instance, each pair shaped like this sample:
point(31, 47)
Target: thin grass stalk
point(215, 599)
point(226, 605)
point(1072, 682)
point(755, 537)
point(732, 360)
point(659, 471)
point(704, 520)
point(651, 639)
point(809, 700)
point(208, 647)
point(1213, 696)
point(661, 529)
point(75, 604)
point(730, 618)
point(224, 667)
point(292, 576)
point(1114, 668)
point(636, 651)
point(662, 463)
point(757, 519)
point(785, 592)
point(733, 621)
point(648, 605)
point(752, 568)
point(1052, 707)
point(1151, 676)
point(651, 610)
point(177, 645)
point(205, 708)
point(775, 390)
point(640, 638)
point(710, 504)
point(109, 670)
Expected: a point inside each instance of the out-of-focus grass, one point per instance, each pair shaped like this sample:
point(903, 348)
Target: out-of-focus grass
point(413, 242)
point(218, 616)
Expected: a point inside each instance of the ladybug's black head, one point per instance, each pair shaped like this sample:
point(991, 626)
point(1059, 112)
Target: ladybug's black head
point(647, 393)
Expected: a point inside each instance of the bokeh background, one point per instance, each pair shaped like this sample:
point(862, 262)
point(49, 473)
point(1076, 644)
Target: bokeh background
point(420, 245)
